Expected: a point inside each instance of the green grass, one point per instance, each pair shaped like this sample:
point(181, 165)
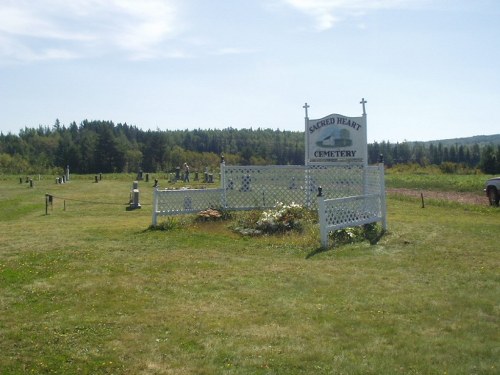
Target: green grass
point(432, 179)
point(90, 290)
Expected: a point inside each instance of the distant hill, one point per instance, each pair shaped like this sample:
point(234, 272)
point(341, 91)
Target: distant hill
point(481, 140)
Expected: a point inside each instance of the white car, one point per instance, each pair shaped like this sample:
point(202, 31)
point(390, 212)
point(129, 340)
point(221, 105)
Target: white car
point(492, 190)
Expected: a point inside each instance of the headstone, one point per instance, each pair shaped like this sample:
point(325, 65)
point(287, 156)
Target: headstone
point(67, 173)
point(147, 177)
point(135, 199)
point(177, 173)
point(134, 202)
point(96, 179)
point(139, 175)
point(31, 183)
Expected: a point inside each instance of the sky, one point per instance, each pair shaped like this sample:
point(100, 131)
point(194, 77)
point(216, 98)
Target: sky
point(428, 69)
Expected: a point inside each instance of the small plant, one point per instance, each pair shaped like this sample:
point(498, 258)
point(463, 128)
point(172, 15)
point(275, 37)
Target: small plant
point(370, 232)
point(281, 218)
point(168, 224)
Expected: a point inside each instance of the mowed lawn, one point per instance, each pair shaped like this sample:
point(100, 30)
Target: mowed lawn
point(90, 290)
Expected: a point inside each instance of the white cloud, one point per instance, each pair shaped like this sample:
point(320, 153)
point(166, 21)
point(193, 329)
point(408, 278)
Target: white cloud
point(327, 13)
point(233, 51)
point(52, 29)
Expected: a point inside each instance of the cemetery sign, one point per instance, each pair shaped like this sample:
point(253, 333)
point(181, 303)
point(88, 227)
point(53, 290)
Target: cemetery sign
point(336, 139)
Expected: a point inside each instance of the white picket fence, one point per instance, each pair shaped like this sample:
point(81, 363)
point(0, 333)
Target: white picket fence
point(351, 195)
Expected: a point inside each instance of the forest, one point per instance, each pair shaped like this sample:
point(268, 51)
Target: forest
point(105, 147)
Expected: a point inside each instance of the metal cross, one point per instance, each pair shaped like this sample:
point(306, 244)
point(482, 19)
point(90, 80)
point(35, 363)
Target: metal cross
point(305, 106)
point(363, 102)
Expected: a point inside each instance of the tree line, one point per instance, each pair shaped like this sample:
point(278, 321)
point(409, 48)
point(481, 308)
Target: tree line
point(102, 146)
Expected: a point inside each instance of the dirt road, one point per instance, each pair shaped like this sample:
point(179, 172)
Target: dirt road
point(469, 198)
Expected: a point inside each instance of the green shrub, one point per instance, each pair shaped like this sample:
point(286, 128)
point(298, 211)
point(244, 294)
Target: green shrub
point(170, 223)
point(369, 232)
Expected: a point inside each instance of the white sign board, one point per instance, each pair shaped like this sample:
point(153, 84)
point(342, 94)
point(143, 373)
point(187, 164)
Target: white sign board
point(336, 139)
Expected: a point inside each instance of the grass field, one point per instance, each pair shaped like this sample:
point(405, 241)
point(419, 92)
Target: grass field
point(88, 289)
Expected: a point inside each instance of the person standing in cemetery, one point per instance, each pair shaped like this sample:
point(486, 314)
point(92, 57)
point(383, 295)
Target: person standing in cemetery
point(186, 172)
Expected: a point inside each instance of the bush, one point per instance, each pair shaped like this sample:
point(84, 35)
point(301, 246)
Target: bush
point(370, 232)
point(282, 218)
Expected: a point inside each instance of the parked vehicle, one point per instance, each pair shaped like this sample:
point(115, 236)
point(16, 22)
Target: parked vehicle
point(492, 190)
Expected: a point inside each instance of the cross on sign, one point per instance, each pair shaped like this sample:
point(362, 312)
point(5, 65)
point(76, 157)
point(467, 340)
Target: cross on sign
point(305, 106)
point(363, 102)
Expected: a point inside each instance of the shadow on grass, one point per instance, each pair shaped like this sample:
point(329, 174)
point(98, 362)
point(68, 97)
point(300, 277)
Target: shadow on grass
point(372, 237)
point(375, 239)
point(317, 251)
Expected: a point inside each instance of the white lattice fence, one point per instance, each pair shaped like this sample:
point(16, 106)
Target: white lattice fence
point(259, 187)
point(263, 186)
point(339, 213)
point(174, 202)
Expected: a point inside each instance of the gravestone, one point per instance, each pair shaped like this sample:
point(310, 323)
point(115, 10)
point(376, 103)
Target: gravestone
point(134, 201)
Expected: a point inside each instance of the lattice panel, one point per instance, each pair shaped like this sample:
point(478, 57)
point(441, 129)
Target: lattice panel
point(351, 211)
point(262, 187)
point(172, 202)
point(336, 182)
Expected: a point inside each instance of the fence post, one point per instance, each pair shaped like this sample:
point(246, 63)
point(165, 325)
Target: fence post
point(322, 222)
point(223, 182)
point(155, 207)
point(383, 207)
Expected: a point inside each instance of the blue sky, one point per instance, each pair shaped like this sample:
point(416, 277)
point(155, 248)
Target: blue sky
point(428, 69)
